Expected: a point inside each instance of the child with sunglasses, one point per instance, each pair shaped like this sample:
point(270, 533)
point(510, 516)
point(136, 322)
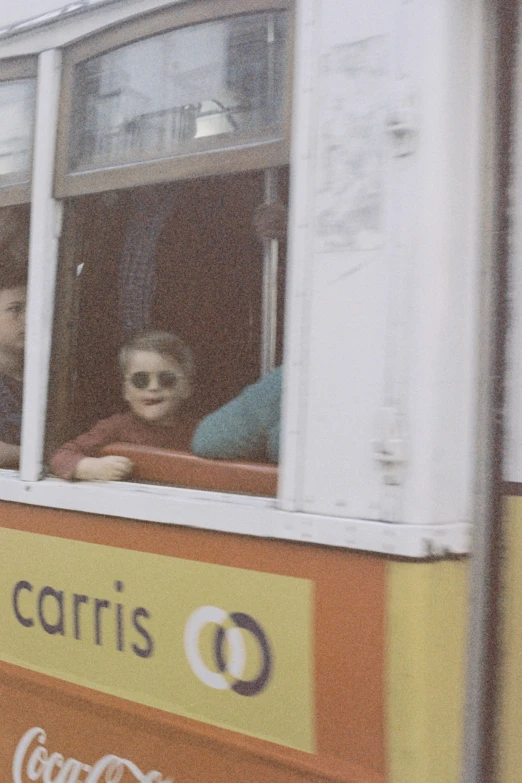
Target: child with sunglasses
point(157, 370)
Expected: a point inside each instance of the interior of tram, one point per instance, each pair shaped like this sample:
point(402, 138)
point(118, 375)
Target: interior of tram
point(201, 263)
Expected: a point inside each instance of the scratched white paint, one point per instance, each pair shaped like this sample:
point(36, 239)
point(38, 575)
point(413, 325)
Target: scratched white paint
point(387, 317)
point(352, 145)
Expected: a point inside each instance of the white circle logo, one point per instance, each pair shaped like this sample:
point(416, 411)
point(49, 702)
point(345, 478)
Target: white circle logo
point(235, 665)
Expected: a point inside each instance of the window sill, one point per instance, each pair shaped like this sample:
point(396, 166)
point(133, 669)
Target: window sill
point(182, 469)
point(238, 514)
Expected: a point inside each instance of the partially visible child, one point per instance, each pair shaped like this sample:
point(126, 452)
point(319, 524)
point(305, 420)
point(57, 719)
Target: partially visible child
point(13, 278)
point(247, 427)
point(158, 371)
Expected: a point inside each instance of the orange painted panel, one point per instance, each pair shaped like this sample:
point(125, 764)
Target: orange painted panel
point(182, 469)
point(349, 668)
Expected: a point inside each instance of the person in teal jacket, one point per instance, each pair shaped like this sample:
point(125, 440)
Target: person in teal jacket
point(247, 427)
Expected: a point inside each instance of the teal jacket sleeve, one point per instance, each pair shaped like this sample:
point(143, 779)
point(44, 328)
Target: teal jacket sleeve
point(247, 427)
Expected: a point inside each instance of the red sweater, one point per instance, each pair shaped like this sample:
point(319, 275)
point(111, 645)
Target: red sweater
point(121, 428)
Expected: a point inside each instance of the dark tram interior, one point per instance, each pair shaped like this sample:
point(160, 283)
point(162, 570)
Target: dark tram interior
point(207, 265)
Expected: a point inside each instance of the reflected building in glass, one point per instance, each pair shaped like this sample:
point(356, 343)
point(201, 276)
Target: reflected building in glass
point(208, 86)
point(17, 105)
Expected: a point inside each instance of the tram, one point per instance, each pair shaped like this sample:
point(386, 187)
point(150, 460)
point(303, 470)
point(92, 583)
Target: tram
point(350, 612)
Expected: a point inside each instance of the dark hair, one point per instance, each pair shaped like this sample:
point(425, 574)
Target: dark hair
point(163, 343)
point(13, 274)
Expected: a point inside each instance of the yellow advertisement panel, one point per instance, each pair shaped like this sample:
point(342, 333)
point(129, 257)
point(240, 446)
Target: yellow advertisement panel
point(222, 645)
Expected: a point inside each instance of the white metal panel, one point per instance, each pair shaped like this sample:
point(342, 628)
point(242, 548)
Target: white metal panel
point(387, 320)
point(442, 357)
point(334, 354)
point(345, 389)
point(298, 254)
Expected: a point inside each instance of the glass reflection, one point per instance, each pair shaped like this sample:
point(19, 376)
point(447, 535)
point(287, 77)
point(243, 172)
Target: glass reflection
point(209, 86)
point(17, 102)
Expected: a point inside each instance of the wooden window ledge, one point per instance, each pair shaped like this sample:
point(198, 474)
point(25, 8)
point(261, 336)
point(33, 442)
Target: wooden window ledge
point(163, 466)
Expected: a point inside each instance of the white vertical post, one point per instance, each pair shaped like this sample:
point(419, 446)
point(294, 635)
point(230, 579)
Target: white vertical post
point(269, 299)
point(299, 255)
point(43, 252)
point(270, 246)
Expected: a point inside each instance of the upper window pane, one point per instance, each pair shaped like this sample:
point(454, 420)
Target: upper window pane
point(17, 103)
point(205, 87)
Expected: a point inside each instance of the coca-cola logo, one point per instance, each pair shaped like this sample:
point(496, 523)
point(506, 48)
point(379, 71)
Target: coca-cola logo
point(32, 761)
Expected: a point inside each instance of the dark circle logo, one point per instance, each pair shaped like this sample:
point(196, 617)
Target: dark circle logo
point(235, 663)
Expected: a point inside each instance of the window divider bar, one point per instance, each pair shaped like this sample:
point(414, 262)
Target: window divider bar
point(299, 261)
point(43, 252)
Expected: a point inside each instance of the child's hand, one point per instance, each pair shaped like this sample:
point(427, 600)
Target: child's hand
point(103, 469)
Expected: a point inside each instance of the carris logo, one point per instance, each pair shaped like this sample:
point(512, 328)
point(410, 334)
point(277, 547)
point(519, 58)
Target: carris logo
point(235, 665)
point(38, 764)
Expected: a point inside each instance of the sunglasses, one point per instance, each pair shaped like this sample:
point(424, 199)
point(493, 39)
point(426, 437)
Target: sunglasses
point(166, 379)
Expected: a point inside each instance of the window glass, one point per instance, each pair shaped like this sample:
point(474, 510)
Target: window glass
point(17, 106)
point(183, 258)
point(208, 86)
point(14, 244)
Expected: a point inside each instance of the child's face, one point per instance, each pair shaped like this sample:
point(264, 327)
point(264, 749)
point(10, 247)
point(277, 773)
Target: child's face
point(12, 319)
point(154, 386)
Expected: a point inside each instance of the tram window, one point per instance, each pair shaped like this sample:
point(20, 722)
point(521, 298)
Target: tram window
point(173, 121)
point(155, 108)
point(14, 236)
point(182, 258)
point(188, 90)
point(17, 107)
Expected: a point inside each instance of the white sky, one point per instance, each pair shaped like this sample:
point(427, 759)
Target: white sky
point(21, 10)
